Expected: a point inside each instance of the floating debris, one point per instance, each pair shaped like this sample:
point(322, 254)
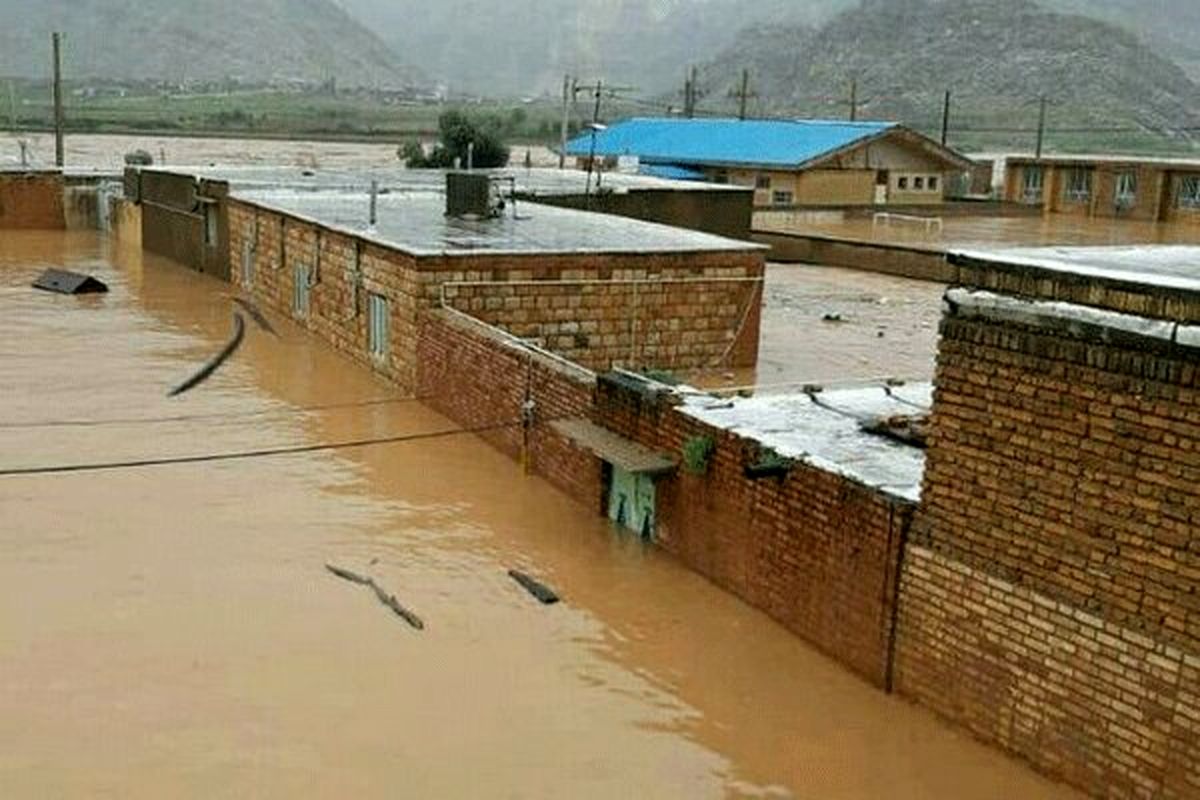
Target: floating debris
point(256, 315)
point(391, 602)
point(66, 282)
point(387, 599)
point(239, 333)
point(544, 594)
point(347, 575)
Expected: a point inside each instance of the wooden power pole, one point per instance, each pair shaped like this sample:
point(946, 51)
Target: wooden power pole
point(744, 94)
point(1041, 131)
point(854, 100)
point(567, 94)
point(58, 101)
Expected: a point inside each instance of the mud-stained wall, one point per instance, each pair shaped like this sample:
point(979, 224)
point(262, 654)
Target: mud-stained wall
point(480, 379)
point(581, 305)
point(270, 253)
point(909, 262)
point(183, 218)
point(125, 222)
point(817, 551)
point(722, 213)
point(1050, 588)
point(32, 200)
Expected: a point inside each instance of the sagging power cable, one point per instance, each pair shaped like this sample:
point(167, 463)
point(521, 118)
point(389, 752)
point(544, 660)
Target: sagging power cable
point(276, 412)
point(58, 469)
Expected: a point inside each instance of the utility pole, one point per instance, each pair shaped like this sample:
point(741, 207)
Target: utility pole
point(854, 100)
point(591, 164)
point(946, 119)
point(691, 92)
point(743, 94)
point(58, 101)
point(568, 93)
point(1041, 131)
point(12, 106)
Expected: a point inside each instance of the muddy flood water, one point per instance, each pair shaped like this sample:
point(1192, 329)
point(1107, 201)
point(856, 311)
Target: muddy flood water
point(170, 630)
point(983, 231)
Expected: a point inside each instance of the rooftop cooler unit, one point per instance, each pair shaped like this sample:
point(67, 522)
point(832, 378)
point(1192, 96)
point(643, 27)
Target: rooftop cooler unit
point(473, 195)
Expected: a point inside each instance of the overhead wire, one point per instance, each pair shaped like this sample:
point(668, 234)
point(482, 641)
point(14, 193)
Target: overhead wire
point(243, 455)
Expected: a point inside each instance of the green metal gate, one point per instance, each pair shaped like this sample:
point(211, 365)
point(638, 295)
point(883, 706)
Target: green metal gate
point(631, 501)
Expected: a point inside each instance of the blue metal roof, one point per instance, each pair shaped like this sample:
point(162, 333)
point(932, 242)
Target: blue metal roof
point(726, 141)
point(671, 172)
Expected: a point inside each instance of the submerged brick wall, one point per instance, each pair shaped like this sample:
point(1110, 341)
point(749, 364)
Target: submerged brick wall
point(31, 200)
point(815, 550)
point(594, 309)
point(1051, 587)
point(479, 379)
point(343, 271)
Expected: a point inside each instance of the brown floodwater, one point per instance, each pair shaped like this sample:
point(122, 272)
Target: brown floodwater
point(968, 231)
point(170, 631)
point(830, 325)
point(107, 151)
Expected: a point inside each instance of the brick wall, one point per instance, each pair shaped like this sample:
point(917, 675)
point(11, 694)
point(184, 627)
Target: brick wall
point(672, 321)
point(31, 200)
point(479, 378)
point(1051, 588)
point(691, 309)
point(343, 271)
point(815, 550)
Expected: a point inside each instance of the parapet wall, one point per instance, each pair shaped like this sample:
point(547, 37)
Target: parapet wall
point(1050, 596)
point(816, 550)
point(665, 310)
point(481, 378)
point(32, 200)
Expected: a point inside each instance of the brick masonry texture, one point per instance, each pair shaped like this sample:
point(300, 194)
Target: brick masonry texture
point(816, 551)
point(31, 200)
point(479, 380)
point(1051, 589)
point(595, 309)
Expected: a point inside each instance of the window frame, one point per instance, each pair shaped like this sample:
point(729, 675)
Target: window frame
point(379, 326)
point(1079, 185)
point(301, 290)
point(783, 197)
point(1185, 199)
point(1125, 189)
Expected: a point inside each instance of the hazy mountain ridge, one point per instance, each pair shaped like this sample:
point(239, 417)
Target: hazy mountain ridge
point(311, 40)
point(996, 56)
point(524, 46)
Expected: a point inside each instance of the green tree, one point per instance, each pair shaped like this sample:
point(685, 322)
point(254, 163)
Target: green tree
point(457, 133)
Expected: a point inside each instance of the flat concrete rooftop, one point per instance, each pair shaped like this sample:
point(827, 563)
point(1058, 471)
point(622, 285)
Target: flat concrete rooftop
point(414, 221)
point(824, 430)
point(537, 180)
point(1161, 266)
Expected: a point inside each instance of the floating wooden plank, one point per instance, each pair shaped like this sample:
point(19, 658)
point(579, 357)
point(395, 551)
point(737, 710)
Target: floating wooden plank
point(347, 575)
point(615, 449)
point(544, 594)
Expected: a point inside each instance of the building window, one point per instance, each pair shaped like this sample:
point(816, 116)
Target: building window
point(1032, 183)
point(248, 265)
point(211, 233)
point(721, 177)
point(1079, 185)
point(378, 325)
point(918, 184)
point(933, 183)
point(763, 182)
point(782, 198)
point(300, 291)
point(1125, 194)
point(902, 183)
point(1189, 192)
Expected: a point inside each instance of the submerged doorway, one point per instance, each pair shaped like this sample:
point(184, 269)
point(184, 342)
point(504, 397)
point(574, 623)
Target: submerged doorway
point(631, 501)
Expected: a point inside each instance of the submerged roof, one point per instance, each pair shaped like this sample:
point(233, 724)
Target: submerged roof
point(825, 431)
point(1163, 266)
point(415, 221)
point(780, 143)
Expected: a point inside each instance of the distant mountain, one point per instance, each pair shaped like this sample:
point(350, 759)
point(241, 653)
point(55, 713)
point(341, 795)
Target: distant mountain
point(256, 40)
point(522, 47)
point(997, 56)
point(525, 46)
